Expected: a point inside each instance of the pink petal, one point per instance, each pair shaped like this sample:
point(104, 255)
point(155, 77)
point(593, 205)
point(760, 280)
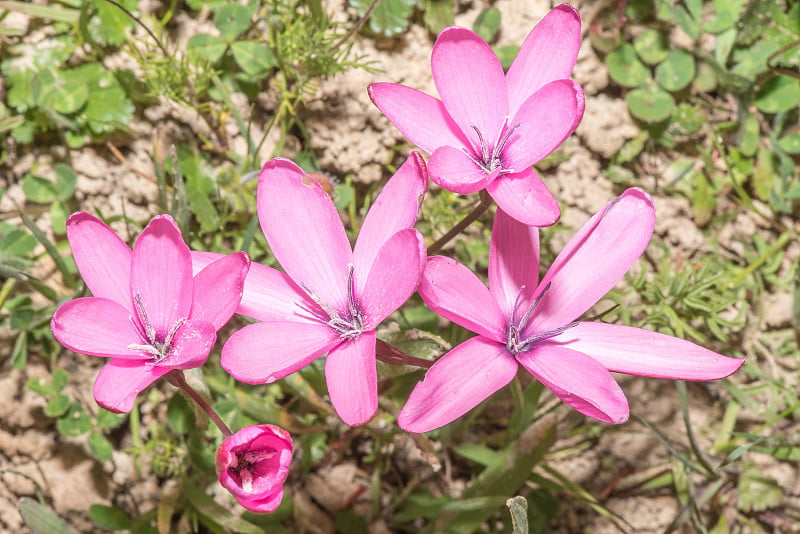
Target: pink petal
point(595, 259)
point(218, 289)
point(395, 209)
point(454, 292)
point(636, 351)
point(191, 344)
point(524, 197)
point(262, 504)
point(268, 294)
point(543, 122)
point(422, 118)
point(103, 259)
point(161, 275)
point(578, 380)
point(120, 381)
point(352, 378)
point(304, 231)
point(513, 263)
point(471, 83)
point(549, 53)
point(98, 327)
point(457, 382)
point(453, 170)
point(394, 276)
point(262, 353)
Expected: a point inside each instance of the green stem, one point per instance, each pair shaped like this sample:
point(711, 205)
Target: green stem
point(176, 378)
point(471, 217)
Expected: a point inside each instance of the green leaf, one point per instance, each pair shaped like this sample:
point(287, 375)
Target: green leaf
point(518, 507)
point(38, 189)
point(506, 54)
point(209, 47)
point(232, 20)
point(749, 135)
point(789, 143)
point(779, 93)
point(41, 519)
point(58, 218)
point(19, 354)
point(652, 46)
point(52, 90)
point(487, 25)
point(705, 79)
point(66, 180)
point(390, 17)
point(55, 14)
point(439, 14)
point(757, 491)
point(677, 71)
point(60, 379)
point(101, 449)
point(625, 68)
point(57, 406)
point(209, 510)
point(108, 109)
point(180, 415)
point(75, 422)
point(107, 420)
point(256, 59)
point(17, 242)
point(650, 104)
point(109, 518)
point(109, 24)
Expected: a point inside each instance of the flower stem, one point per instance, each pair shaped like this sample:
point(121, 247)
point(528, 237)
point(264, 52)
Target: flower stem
point(391, 354)
point(471, 217)
point(176, 378)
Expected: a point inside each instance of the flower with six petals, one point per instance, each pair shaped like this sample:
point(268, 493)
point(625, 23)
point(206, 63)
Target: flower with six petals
point(148, 313)
point(523, 321)
point(332, 297)
point(489, 128)
point(253, 464)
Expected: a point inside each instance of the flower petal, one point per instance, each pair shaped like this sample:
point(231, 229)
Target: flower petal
point(455, 293)
point(595, 259)
point(543, 122)
point(578, 380)
point(471, 83)
point(103, 259)
point(457, 382)
point(352, 377)
point(262, 353)
point(422, 118)
point(513, 262)
point(453, 170)
point(262, 504)
point(98, 327)
point(524, 197)
point(304, 231)
point(218, 289)
point(268, 294)
point(548, 53)
point(190, 345)
point(395, 209)
point(636, 351)
point(120, 381)
point(394, 276)
point(161, 275)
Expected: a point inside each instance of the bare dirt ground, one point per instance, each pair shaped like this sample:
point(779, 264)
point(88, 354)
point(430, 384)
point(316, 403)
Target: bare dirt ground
point(350, 136)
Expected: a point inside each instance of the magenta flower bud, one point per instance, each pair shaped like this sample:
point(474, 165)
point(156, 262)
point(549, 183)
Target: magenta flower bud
point(253, 464)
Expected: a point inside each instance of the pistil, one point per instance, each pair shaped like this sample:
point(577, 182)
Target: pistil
point(514, 344)
point(159, 350)
point(350, 326)
point(491, 161)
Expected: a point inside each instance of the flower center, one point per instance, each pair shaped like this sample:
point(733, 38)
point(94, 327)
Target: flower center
point(349, 325)
point(517, 344)
point(491, 161)
point(245, 463)
point(157, 347)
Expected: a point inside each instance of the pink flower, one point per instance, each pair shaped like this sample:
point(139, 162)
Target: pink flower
point(521, 321)
point(253, 465)
point(148, 314)
point(332, 297)
point(489, 128)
